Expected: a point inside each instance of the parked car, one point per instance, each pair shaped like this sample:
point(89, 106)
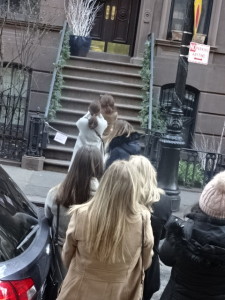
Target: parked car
point(25, 248)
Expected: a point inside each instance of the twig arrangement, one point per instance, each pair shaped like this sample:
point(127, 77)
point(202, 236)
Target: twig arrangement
point(81, 15)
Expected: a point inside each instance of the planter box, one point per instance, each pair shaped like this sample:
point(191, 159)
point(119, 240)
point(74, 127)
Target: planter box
point(79, 45)
point(33, 162)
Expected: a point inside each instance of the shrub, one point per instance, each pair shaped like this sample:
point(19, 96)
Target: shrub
point(190, 174)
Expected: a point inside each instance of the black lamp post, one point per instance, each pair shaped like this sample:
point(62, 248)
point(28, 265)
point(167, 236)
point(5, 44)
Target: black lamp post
point(173, 141)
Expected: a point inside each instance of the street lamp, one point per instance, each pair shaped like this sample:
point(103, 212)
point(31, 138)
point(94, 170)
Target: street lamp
point(173, 141)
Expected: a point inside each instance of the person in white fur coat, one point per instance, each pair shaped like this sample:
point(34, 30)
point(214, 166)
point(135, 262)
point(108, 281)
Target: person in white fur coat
point(91, 127)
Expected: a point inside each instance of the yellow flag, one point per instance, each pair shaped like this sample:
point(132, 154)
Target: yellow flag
point(197, 16)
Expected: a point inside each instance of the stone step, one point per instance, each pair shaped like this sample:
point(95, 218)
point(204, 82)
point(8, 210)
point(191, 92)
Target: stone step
point(66, 127)
point(93, 94)
point(102, 64)
point(73, 115)
point(82, 104)
point(56, 165)
point(71, 107)
point(109, 56)
point(99, 74)
point(103, 85)
point(58, 152)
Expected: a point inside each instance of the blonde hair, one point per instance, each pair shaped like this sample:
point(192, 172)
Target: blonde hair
point(112, 207)
point(150, 192)
point(120, 128)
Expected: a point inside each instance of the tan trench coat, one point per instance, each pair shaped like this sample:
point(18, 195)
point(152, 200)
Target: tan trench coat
point(89, 279)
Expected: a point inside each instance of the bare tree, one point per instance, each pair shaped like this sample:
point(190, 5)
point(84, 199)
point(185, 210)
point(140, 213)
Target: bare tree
point(27, 33)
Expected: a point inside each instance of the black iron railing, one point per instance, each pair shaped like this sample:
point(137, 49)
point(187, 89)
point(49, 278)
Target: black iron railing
point(196, 168)
point(13, 113)
point(38, 135)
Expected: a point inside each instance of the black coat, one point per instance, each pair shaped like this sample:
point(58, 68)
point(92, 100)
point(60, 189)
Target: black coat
point(160, 215)
point(121, 147)
point(196, 251)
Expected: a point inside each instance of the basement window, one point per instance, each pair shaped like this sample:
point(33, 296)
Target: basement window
point(30, 7)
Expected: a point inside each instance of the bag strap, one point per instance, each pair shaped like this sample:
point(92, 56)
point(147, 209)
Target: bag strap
point(142, 249)
point(57, 225)
point(98, 135)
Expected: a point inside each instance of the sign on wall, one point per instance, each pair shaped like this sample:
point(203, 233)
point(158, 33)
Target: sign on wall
point(199, 53)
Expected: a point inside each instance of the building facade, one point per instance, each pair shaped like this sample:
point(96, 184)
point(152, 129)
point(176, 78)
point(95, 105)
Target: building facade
point(122, 28)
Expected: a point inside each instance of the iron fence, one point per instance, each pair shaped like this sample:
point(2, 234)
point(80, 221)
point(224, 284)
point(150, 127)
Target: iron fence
point(196, 168)
point(13, 114)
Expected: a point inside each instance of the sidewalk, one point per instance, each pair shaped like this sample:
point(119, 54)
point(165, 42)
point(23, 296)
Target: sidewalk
point(36, 184)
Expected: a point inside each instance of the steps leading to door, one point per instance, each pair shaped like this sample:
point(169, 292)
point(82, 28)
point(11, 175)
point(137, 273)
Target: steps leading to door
point(85, 79)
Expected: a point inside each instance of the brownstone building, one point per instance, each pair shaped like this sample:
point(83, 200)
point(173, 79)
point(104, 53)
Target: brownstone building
point(119, 35)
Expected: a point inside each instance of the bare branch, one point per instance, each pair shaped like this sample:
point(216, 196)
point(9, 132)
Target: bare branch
point(81, 15)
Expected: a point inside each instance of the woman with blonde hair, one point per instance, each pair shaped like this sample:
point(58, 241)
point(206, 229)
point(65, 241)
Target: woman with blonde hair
point(109, 241)
point(160, 206)
point(122, 142)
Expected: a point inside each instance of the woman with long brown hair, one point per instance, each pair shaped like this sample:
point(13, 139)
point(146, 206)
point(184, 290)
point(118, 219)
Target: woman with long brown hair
point(109, 241)
point(109, 112)
point(78, 187)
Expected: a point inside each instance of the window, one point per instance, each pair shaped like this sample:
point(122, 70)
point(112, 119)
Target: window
point(14, 96)
point(177, 15)
point(20, 6)
point(190, 105)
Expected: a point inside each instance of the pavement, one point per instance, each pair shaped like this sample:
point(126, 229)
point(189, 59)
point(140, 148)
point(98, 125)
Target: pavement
point(36, 184)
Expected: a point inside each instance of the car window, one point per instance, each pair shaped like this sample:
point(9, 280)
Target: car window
point(17, 219)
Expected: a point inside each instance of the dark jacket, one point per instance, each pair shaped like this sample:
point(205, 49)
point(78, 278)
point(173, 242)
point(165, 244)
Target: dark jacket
point(121, 147)
point(161, 214)
point(196, 251)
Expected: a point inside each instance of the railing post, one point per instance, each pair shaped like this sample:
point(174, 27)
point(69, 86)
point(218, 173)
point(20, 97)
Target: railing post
point(38, 135)
point(172, 142)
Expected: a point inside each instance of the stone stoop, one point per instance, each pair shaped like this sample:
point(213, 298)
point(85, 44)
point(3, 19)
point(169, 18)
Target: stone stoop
point(85, 79)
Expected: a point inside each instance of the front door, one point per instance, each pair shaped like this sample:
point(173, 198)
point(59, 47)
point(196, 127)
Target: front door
point(115, 26)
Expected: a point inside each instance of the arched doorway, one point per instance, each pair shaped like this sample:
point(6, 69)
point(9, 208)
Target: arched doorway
point(115, 27)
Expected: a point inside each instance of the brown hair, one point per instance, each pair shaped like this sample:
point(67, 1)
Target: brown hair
point(75, 189)
point(120, 127)
point(94, 109)
point(107, 104)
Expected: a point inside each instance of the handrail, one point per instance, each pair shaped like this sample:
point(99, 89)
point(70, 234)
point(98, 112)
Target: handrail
point(55, 68)
point(151, 40)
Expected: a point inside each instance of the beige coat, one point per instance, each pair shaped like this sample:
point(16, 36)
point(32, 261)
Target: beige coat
point(89, 279)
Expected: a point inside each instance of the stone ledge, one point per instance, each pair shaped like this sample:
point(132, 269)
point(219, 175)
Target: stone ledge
point(33, 163)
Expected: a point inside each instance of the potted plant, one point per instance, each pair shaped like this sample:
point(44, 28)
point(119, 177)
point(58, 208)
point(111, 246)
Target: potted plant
point(80, 16)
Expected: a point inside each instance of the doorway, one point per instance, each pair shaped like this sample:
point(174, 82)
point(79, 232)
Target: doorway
point(115, 27)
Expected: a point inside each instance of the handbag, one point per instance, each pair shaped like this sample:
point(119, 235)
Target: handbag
point(56, 274)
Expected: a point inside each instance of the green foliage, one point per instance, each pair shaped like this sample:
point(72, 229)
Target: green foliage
point(190, 174)
point(56, 94)
point(158, 122)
